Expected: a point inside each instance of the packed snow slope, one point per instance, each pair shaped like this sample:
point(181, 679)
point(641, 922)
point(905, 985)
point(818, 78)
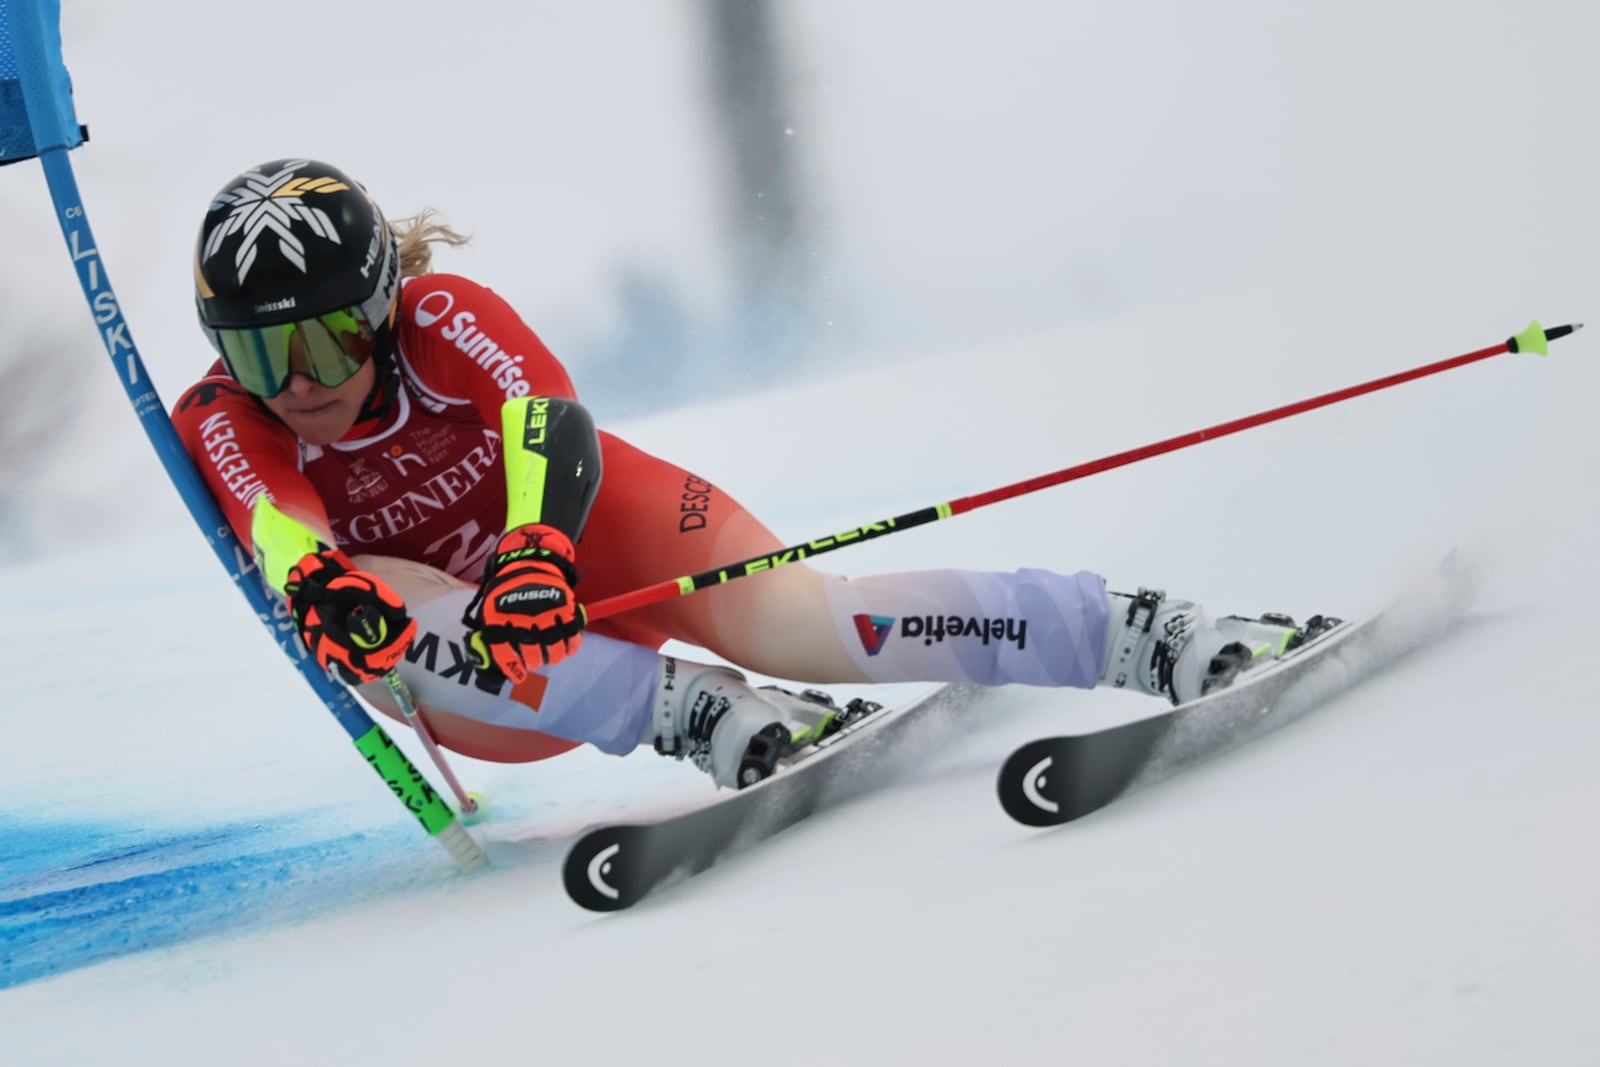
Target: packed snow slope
point(198, 867)
point(1264, 205)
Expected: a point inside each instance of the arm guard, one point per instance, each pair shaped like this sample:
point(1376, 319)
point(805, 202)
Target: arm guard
point(552, 461)
point(278, 542)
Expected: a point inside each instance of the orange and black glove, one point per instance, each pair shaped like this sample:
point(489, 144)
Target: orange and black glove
point(354, 624)
point(525, 615)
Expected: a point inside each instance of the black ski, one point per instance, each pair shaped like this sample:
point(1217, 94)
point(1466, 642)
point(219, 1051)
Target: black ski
point(1057, 779)
point(614, 867)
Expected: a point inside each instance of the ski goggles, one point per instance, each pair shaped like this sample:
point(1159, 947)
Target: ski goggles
point(328, 349)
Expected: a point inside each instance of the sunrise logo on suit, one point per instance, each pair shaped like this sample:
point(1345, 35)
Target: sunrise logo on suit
point(873, 631)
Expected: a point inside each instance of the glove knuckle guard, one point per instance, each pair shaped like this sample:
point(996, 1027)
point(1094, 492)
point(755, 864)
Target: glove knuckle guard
point(525, 613)
point(353, 623)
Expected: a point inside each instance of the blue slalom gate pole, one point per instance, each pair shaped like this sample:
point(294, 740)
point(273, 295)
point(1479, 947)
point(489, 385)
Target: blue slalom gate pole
point(37, 120)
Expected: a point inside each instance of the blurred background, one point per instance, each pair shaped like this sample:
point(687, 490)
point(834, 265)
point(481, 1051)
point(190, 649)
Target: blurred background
point(695, 199)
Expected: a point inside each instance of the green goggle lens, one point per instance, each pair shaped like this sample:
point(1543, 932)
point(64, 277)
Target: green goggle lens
point(327, 349)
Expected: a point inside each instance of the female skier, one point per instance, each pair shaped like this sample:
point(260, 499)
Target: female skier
point(415, 475)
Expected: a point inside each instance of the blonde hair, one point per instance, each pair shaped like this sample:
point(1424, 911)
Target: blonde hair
point(415, 237)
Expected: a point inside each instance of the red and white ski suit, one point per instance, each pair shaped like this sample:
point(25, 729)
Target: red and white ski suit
point(417, 492)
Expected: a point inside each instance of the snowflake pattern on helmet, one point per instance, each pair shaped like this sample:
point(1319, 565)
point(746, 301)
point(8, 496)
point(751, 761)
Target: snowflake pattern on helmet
point(271, 204)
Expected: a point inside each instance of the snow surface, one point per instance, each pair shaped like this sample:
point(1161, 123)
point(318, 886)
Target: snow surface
point(196, 869)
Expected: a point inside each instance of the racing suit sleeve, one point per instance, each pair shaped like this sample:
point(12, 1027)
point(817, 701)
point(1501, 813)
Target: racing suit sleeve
point(242, 452)
point(462, 342)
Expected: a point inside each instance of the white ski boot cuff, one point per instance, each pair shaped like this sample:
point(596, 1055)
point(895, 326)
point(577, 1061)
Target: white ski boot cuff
point(1145, 643)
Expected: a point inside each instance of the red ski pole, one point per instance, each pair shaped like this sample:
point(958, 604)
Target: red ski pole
point(1533, 339)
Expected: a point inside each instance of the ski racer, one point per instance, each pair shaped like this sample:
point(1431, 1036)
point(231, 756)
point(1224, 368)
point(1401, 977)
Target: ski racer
point(417, 478)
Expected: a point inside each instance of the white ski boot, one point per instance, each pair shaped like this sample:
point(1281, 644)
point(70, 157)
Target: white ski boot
point(733, 731)
point(1169, 648)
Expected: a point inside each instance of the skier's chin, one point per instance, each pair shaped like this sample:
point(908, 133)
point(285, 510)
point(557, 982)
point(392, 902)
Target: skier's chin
point(322, 425)
point(318, 414)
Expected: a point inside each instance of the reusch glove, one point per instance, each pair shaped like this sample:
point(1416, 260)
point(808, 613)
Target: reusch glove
point(525, 615)
point(355, 625)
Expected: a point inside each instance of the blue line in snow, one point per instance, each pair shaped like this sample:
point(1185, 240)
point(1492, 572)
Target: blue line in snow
point(74, 894)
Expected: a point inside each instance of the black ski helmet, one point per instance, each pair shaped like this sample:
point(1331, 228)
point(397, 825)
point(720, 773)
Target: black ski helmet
point(289, 241)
